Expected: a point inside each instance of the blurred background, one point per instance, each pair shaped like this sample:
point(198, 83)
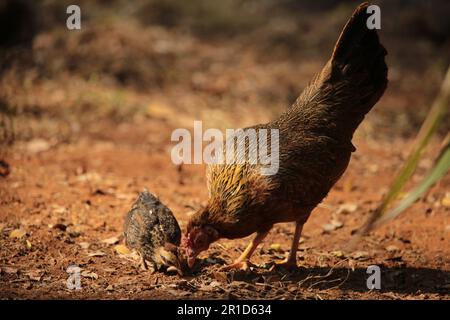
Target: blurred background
point(230, 63)
point(86, 118)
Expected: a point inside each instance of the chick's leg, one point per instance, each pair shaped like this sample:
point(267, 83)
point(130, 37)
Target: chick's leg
point(143, 263)
point(242, 262)
point(291, 260)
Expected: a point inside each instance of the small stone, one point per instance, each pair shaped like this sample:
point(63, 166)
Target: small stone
point(346, 208)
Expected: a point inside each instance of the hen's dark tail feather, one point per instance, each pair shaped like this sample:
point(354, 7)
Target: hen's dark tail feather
point(358, 58)
point(351, 82)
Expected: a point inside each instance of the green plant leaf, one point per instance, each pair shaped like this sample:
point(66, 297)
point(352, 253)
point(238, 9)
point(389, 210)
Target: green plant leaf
point(435, 174)
point(434, 118)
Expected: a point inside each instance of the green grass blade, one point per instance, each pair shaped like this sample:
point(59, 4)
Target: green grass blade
point(434, 118)
point(436, 173)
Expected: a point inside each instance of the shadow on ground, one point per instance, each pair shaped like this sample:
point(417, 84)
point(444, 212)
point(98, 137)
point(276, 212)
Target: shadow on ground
point(398, 280)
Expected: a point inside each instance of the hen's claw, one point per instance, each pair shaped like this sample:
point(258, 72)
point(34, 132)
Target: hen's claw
point(285, 264)
point(238, 265)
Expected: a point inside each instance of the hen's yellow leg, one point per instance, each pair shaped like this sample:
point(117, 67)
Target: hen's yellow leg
point(242, 262)
point(291, 261)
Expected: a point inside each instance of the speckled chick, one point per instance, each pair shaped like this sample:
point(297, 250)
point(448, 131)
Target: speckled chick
point(151, 229)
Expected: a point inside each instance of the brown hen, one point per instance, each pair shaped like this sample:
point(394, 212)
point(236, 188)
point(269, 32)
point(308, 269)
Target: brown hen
point(314, 150)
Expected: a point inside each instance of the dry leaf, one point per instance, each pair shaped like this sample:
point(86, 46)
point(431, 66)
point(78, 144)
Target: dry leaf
point(179, 293)
point(360, 255)
point(58, 209)
point(35, 275)
point(10, 270)
point(338, 254)
point(89, 274)
point(293, 288)
point(214, 285)
point(97, 254)
point(112, 240)
point(17, 233)
point(122, 249)
point(29, 244)
point(276, 247)
point(110, 270)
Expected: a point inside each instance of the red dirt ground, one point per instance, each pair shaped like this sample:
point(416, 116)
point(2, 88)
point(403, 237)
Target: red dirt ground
point(95, 111)
point(86, 188)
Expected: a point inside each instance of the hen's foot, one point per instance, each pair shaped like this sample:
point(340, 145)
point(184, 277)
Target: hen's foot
point(238, 265)
point(285, 265)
